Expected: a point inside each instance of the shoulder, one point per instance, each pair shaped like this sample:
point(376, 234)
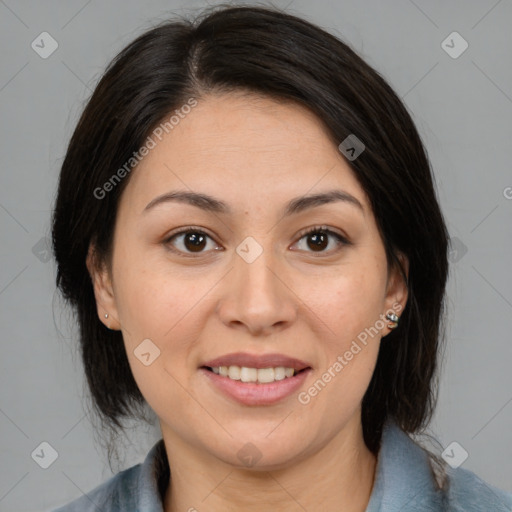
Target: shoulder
point(406, 481)
point(135, 488)
point(116, 494)
point(466, 492)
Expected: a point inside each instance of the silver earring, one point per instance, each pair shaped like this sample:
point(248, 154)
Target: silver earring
point(106, 315)
point(392, 318)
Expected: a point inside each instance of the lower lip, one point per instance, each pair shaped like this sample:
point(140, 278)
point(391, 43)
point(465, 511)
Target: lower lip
point(252, 393)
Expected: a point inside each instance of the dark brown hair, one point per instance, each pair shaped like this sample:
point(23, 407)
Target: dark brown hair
point(284, 57)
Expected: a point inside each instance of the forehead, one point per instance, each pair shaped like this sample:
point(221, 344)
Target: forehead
point(245, 147)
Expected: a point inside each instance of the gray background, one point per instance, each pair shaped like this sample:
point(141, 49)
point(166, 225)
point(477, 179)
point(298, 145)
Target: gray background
point(463, 110)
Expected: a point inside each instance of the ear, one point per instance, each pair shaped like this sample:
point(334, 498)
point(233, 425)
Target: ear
point(103, 290)
point(396, 292)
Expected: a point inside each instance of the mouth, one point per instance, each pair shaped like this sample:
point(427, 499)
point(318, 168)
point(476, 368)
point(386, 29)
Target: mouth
point(255, 386)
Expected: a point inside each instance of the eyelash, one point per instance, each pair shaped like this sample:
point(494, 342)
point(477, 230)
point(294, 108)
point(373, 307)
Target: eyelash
point(340, 240)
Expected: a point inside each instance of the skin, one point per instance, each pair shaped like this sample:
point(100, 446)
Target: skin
point(256, 155)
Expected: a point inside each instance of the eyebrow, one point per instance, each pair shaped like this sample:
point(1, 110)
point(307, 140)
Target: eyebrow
point(294, 206)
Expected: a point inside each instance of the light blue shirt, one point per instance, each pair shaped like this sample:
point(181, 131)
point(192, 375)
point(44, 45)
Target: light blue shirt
point(404, 482)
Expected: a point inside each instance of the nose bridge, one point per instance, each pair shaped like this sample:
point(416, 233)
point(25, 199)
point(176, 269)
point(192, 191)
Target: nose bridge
point(255, 267)
point(256, 297)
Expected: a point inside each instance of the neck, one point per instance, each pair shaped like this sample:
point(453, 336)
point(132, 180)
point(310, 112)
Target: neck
point(321, 481)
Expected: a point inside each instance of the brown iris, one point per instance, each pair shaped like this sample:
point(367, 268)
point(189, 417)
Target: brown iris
point(319, 240)
point(194, 241)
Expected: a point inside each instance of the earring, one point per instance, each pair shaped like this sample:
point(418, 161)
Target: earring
point(106, 315)
point(392, 318)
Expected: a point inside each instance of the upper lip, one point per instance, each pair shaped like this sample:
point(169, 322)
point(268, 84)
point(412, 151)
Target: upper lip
point(257, 361)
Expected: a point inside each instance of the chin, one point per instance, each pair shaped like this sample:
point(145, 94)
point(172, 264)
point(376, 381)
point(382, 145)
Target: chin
point(261, 454)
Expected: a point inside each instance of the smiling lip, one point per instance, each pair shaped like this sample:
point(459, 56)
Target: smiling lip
point(251, 393)
point(257, 361)
point(255, 393)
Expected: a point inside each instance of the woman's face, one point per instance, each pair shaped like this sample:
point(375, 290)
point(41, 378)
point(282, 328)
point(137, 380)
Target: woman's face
point(253, 283)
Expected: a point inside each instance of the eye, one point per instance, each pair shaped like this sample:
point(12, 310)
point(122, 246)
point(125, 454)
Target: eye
point(317, 239)
point(194, 240)
point(189, 241)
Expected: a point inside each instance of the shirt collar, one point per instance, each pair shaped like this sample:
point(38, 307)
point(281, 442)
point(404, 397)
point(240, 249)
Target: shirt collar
point(153, 478)
point(404, 479)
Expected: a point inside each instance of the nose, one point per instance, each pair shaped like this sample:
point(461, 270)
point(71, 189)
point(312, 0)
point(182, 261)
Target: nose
point(257, 297)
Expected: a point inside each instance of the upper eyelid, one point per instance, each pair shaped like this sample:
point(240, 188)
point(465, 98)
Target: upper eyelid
point(324, 228)
point(185, 230)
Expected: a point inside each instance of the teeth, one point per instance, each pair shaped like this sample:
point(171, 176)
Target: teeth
point(246, 374)
point(280, 373)
point(261, 375)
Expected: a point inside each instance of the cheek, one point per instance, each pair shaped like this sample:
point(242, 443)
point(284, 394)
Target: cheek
point(150, 299)
point(348, 308)
point(161, 306)
point(350, 341)
point(349, 302)
point(159, 315)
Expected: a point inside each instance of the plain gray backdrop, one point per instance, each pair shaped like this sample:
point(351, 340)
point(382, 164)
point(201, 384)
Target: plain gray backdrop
point(462, 106)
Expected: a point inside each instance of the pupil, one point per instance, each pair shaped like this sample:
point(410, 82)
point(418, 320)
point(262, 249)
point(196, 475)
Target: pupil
point(197, 240)
point(319, 241)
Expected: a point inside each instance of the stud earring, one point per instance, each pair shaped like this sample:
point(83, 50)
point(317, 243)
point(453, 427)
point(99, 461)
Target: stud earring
point(394, 319)
point(106, 315)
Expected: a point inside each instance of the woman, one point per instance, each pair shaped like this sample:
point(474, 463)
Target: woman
point(248, 228)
